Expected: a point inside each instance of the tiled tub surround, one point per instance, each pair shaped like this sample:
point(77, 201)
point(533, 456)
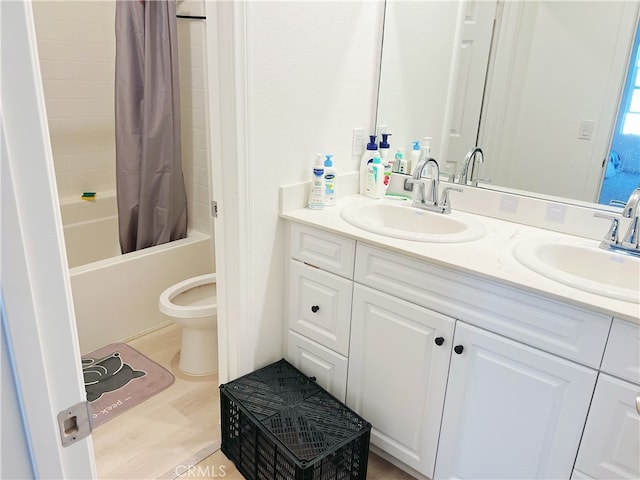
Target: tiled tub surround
point(518, 356)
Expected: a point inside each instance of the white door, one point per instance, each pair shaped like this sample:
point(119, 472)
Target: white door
point(464, 98)
point(35, 283)
point(511, 411)
point(610, 446)
point(399, 358)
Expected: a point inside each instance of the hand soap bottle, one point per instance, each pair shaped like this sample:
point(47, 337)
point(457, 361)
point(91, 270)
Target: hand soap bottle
point(329, 182)
point(375, 179)
point(414, 158)
point(367, 157)
point(387, 162)
point(400, 164)
point(316, 197)
point(425, 148)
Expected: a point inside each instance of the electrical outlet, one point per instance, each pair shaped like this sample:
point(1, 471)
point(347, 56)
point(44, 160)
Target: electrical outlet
point(357, 143)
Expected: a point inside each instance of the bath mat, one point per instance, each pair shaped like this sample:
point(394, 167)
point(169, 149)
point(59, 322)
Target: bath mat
point(117, 378)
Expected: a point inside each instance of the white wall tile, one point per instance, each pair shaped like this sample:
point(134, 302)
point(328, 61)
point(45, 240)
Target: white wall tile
point(76, 45)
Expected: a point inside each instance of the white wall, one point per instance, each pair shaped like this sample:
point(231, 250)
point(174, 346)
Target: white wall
point(195, 153)
point(418, 50)
point(312, 71)
point(76, 46)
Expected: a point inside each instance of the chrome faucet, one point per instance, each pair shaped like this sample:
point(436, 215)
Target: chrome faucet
point(470, 161)
point(426, 195)
point(630, 241)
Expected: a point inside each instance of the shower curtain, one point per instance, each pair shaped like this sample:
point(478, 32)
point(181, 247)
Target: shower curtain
point(152, 204)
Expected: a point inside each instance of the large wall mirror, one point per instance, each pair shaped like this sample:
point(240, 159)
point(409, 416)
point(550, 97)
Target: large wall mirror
point(543, 87)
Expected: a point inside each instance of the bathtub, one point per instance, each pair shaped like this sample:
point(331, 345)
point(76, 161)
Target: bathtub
point(115, 296)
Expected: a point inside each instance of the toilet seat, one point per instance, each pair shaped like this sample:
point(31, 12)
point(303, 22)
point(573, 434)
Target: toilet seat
point(167, 306)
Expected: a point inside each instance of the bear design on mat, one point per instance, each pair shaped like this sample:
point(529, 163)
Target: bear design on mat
point(106, 374)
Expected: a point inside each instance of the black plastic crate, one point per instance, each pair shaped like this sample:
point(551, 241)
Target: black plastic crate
point(278, 424)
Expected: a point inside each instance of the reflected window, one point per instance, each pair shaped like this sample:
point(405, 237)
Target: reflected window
point(631, 122)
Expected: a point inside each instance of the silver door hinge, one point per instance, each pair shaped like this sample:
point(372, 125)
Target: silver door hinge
point(74, 423)
point(214, 209)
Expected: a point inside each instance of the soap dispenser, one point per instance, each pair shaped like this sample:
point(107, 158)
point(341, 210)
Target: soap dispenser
point(367, 157)
point(414, 158)
point(387, 162)
point(425, 148)
point(329, 182)
point(375, 179)
point(316, 196)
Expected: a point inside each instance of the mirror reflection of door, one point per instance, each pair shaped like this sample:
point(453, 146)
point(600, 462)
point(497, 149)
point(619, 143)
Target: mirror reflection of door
point(622, 174)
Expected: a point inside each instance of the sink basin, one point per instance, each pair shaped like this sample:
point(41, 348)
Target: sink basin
point(403, 221)
point(584, 266)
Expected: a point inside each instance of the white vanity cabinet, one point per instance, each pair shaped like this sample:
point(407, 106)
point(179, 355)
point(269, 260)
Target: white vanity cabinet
point(399, 359)
point(610, 445)
point(320, 273)
point(460, 376)
point(512, 411)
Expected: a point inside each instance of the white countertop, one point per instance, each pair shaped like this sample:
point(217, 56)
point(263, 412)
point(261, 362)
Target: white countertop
point(489, 257)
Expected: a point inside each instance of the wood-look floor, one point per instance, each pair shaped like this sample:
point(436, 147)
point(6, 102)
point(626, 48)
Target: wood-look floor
point(219, 466)
point(176, 433)
point(178, 423)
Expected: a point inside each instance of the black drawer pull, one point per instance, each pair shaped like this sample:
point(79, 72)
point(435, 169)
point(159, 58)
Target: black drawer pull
point(458, 349)
point(439, 340)
point(315, 308)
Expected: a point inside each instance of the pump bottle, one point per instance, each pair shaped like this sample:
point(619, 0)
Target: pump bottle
point(415, 156)
point(316, 197)
point(375, 179)
point(367, 157)
point(425, 148)
point(329, 182)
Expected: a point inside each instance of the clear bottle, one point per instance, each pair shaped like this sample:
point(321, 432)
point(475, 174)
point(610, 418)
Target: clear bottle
point(329, 182)
point(425, 148)
point(316, 196)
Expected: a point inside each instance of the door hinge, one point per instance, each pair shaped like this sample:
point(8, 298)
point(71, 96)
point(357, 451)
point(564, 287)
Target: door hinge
point(214, 209)
point(74, 423)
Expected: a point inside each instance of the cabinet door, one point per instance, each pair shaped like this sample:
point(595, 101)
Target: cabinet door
point(610, 446)
point(398, 373)
point(320, 306)
point(512, 411)
point(314, 360)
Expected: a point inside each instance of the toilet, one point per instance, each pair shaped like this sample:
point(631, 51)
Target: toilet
point(193, 304)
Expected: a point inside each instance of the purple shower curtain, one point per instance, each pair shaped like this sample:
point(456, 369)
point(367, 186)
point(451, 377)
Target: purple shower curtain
point(152, 204)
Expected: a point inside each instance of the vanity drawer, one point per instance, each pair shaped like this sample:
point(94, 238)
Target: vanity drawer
point(320, 306)
point(573, 333)
point(622, 355)
point(324, 250)
point(311, 358)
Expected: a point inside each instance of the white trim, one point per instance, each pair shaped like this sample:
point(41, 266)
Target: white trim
point(226, 56)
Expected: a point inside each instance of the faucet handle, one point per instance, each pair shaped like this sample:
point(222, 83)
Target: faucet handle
point(612, 234)
point(481, 180)
point(445, 202)
point(630, 209)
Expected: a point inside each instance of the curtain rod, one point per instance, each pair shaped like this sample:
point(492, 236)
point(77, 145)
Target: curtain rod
point(196, 17)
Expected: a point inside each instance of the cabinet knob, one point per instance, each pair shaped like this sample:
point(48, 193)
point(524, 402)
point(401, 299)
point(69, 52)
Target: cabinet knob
point(458, 349)
point(315, 308)
point(439, 340)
